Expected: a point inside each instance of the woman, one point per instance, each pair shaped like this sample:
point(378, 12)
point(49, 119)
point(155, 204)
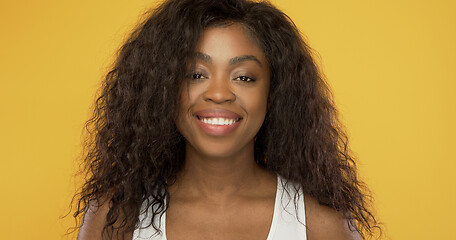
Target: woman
point(215, 124)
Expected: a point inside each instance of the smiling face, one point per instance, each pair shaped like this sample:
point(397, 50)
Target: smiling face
point(224, 98)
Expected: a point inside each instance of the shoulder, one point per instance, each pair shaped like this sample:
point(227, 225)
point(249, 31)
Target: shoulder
point(326, 223)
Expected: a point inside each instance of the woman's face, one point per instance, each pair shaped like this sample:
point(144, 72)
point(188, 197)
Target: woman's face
point(224, 99)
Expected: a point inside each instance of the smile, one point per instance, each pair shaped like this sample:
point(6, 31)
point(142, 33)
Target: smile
point(218, 120)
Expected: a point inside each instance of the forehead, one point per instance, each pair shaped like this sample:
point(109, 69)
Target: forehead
point(225, 42)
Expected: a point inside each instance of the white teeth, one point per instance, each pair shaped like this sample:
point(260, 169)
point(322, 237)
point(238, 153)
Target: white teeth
point(217, 121)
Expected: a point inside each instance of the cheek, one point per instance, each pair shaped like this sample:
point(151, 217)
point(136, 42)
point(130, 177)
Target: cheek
point(185, 100)
point(257, 100)
point(188, 98)
point(190, 94)
point(256, 106)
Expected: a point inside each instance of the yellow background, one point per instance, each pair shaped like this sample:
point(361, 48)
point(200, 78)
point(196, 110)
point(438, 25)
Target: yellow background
point(391, 64)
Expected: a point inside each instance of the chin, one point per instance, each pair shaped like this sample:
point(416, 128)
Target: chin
point(218, 150)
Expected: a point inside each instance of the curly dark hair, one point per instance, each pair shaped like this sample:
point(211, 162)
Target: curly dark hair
point(135, 146)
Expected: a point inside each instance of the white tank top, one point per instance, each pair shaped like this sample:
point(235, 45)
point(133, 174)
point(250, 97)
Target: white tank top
point(288, 222)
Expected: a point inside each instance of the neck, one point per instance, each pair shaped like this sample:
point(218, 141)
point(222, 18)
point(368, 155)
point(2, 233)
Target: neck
point(219, 178)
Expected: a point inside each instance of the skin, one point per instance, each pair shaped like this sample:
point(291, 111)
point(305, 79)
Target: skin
point(221, 186)
point(221, 193)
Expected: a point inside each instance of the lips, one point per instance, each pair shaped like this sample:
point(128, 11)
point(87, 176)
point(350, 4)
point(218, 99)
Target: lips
point(209, 121)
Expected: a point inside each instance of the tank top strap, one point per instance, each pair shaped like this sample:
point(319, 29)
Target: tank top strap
point(289, 220)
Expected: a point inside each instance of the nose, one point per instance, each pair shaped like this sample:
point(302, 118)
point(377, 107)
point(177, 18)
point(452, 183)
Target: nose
point(219, 91)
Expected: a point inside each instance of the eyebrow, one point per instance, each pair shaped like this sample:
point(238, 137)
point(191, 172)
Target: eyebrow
point(244, 58)
point(203, 57)
point(235, 60)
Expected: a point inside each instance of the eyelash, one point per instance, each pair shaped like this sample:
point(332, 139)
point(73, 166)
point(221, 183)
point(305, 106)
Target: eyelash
point(243, 78)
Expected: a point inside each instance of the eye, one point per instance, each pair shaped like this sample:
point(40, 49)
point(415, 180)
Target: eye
point(245, 79)
point(196, 76)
